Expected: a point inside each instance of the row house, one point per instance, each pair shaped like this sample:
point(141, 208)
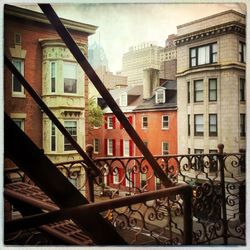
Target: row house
point(151, 109)
point(36, 50)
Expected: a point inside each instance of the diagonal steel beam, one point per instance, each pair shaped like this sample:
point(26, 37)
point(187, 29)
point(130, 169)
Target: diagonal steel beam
point(25, 154)
point(80, 58)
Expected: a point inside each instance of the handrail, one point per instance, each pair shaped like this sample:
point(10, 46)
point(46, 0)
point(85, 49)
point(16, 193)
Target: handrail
point(90, 164)
point(68, 213)
point(80, 58)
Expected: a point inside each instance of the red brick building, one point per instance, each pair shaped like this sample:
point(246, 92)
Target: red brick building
point(152, 111)
point(35, 49)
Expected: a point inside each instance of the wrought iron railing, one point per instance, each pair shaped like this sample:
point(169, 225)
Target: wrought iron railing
point(218, 213)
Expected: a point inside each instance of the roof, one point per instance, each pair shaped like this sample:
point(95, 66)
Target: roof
point(134, 94)
point(41, 18)
point(171, 101)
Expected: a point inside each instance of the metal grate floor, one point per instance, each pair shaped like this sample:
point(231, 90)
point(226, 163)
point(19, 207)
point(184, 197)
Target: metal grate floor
point(65, 230)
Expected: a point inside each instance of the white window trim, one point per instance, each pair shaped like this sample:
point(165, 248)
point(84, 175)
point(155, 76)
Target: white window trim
point(124, 150)
point(125, 104)
point(69, 93)
point(116, 178)
point(110, 118)
point(129, 183)
point(51, 124)
point(51, 77)
point(20, 94)
point(94, 145)
point(162, 148)
point(157, 92)
point(142, 126)
point(76, 135)
point(108, 151)
point(162, 118)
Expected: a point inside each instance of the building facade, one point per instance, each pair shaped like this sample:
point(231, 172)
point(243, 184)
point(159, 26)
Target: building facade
point(138, 58)
point(46, 63)
point(211, 57)
point(168, 57)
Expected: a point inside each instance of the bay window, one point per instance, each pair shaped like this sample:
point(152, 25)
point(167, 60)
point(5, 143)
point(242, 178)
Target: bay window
point(70, 77)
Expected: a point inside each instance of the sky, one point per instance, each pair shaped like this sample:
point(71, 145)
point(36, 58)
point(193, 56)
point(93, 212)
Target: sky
point(121, 25)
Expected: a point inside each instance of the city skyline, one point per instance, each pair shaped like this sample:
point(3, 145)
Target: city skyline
point(121, 25)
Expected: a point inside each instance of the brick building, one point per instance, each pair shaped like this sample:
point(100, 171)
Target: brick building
point(36, 50)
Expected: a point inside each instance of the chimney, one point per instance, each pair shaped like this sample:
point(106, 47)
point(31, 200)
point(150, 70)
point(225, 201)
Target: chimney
point(150, 82)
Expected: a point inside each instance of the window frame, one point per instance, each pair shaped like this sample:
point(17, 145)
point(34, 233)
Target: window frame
point(74, 136)
point(53, 137)
point(164, 151)
point(195, 57)
point(197, 133)
point(96, 145)
point(242, 125)
point(21, 120)
point(52, 84)
point(212, 133)
point(109, 143)
point(189, 125)
point(212, 90)
point(162, 122)
point(242, 89)
point(142, 180)
point(76, 82)
point(126, 148)
point(143, 122)
point(214, 167)
point(116, 177)
point(242, 52)
point(188, 92)
point(160, 92)
point(110, 122)
point(198, 91)
point(21, 92)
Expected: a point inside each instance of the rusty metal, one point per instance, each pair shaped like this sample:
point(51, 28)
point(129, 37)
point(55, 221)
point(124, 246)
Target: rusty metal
point(58, 215)
point(49, 113)
point(37, 166)
point(80, 58)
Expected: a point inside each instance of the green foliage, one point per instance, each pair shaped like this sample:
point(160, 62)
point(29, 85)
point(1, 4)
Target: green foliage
point(95, 114)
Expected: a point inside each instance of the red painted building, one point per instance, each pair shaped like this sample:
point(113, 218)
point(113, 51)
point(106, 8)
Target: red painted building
point(151, 109)
point(35, 48)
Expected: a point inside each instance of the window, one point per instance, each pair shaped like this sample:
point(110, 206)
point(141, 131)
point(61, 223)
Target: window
point(199, 164)
point(144, 122)
point(164, 122)
point(189, 125)
point(198, 125)
point(188, 92)
point(129, 179)
point(53, 137)
point(198, 90)
point(143, 179)
point(242, 52)
point(212, 124)
point(19, 122)
point(17, 88)
point(17, 38)
point(110, 147)
point(212, 90)
point(242, 89)
point(111, 122)
point(70, 77)
point(189, 151)
point(96, 145)
point(116, 176)
point(71, 127)
point(123, 100)
point(160, 96)
point(126, 150)
point(164, 148)
point(53, 77)
point(203, 55)
point(242, 124)
point(214, 161)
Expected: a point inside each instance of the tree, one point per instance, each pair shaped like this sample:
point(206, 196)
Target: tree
point(95, 114)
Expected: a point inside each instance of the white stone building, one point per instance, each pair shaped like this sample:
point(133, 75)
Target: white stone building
point(211, 57)
point(138, 58)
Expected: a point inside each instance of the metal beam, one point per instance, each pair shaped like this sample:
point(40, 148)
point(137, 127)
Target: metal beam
point(80, 58)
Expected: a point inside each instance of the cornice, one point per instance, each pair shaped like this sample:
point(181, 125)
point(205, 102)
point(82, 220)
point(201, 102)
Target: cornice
point(231, 27)
point(40, 17)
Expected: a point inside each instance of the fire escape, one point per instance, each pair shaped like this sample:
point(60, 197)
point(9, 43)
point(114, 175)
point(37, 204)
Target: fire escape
point(53, 204)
